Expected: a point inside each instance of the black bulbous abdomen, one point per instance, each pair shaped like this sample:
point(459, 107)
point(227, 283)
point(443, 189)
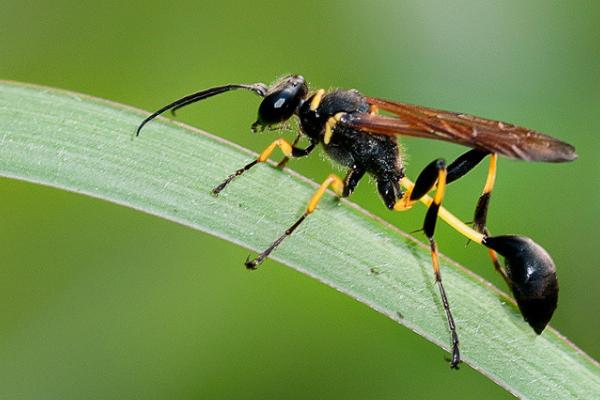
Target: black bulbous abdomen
point(532, 277)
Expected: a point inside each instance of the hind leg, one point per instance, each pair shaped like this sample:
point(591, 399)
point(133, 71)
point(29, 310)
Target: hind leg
point(434, 173)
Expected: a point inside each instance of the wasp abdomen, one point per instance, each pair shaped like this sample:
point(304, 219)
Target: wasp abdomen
point(532, 277)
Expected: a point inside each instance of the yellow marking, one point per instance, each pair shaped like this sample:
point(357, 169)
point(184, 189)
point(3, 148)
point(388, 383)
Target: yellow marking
point(316, 100)
point(491, 178)
point(373, 109)
point(284, 145)
point(436, 263)
point(405, 203)
point(494, 257)
point(489, 186)
point(441, 187)
point(329, 126)
point(336, 184)
point(328, 131)
point(447, 216)
point(498, 267)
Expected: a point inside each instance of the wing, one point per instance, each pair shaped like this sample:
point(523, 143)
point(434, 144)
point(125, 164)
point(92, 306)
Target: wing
point(494, 136)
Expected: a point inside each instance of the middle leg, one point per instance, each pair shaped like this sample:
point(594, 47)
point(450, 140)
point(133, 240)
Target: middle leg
point(341, 188)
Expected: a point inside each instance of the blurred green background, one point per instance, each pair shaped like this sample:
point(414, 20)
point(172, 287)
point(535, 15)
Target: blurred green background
point(99, 301)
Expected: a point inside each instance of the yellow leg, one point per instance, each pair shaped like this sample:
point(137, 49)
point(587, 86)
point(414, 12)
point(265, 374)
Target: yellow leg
point(285, 159)
point(336, 184)
point(447, 216)
point(481, 213)
point(338, 187)
point(432, 176)
point(480, 218)
point(286, 149)
point(405, 203)
point(491, 178)
point(429, 225)
point(472, 234)
point(436, 172)
point(284, 145)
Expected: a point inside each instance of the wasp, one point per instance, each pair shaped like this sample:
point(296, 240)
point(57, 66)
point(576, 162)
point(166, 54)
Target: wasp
point(361, 133)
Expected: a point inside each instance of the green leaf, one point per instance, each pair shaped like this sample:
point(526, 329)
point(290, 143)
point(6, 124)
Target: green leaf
point(86, 145)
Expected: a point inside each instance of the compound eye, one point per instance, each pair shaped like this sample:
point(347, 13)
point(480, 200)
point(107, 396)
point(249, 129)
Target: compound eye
point(282, 101)
point(532, 276)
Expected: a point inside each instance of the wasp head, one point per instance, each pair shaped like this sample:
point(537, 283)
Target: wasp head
point(281, 101)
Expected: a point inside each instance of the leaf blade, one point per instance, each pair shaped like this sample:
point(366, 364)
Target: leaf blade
point(83, 144)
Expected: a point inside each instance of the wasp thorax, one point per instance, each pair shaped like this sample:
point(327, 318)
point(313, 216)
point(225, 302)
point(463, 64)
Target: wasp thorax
point(532, 277)
point(281, 101)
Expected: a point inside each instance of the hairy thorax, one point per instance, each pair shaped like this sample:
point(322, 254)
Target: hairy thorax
point(378, 154)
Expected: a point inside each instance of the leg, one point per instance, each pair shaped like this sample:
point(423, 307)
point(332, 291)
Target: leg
point(425, 182)
point(435, 172)
point(287, 149)
point(352, 178)
point(338, 187)
point(520, 254)
point(464, 164)
point(389, 190)
point(285, 159)
point(481, 209)
point(457, 169)
point(460, 167)
point(480, 218)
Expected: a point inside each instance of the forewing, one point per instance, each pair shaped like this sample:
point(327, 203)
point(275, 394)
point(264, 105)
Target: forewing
point(494, 136)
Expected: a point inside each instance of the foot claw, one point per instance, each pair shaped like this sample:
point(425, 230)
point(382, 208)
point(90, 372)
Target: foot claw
point(251, 264)
point(455, 359)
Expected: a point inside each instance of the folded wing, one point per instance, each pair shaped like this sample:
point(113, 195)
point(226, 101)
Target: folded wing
point(494, 136)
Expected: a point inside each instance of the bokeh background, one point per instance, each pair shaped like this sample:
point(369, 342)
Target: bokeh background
point(99, 301)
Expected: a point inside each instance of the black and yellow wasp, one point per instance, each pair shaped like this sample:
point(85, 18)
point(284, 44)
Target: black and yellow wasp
point(353, 133)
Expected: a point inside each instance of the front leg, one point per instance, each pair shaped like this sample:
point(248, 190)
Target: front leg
point(286, 159)
point(287, 149)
